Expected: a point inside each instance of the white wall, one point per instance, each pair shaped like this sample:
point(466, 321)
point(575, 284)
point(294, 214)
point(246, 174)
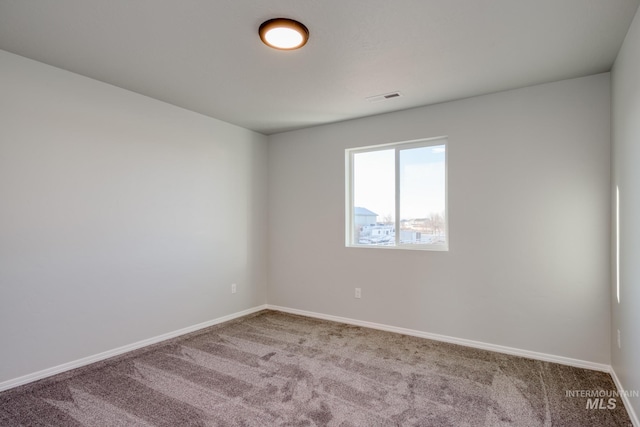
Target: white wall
point(529, 192)
point(626, 175)
point(121, 217)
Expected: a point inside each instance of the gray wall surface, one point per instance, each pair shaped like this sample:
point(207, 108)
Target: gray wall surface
point(529, 193)
point(121, 217)
point(626, 176)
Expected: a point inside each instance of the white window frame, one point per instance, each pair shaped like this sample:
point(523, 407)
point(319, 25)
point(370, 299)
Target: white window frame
point(397, 146)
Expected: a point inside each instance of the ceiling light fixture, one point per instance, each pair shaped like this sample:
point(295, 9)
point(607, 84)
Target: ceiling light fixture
point(284, 34)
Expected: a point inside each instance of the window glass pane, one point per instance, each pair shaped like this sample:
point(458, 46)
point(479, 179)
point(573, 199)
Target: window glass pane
point(397, 195)
point(374, 198)
point(422, 195)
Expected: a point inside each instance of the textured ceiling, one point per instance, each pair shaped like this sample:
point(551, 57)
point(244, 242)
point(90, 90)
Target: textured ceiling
point(205, 55)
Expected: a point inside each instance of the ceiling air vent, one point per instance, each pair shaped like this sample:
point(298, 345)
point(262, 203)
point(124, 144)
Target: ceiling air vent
point(384, 97)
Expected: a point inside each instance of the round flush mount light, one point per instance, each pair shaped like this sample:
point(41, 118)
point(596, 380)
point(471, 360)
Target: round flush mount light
point(284, 34)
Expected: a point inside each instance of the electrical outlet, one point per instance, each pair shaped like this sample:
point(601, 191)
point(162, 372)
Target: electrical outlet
point(619, 345)
point(233, 288)
point(358, 293)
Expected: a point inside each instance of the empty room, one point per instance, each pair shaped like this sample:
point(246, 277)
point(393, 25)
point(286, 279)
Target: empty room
point(319, 213)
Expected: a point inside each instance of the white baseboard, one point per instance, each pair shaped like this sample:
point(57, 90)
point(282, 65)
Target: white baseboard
point(627, 403)
point(461, 341)
point(437, 337)
point(5, 385)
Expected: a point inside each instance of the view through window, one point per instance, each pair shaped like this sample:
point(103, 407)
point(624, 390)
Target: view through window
point(396, 195)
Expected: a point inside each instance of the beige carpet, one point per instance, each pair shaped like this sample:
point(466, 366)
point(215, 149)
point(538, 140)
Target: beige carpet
point(275, 369)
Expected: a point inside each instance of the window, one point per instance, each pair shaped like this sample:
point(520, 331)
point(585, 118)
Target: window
point(396, 195)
